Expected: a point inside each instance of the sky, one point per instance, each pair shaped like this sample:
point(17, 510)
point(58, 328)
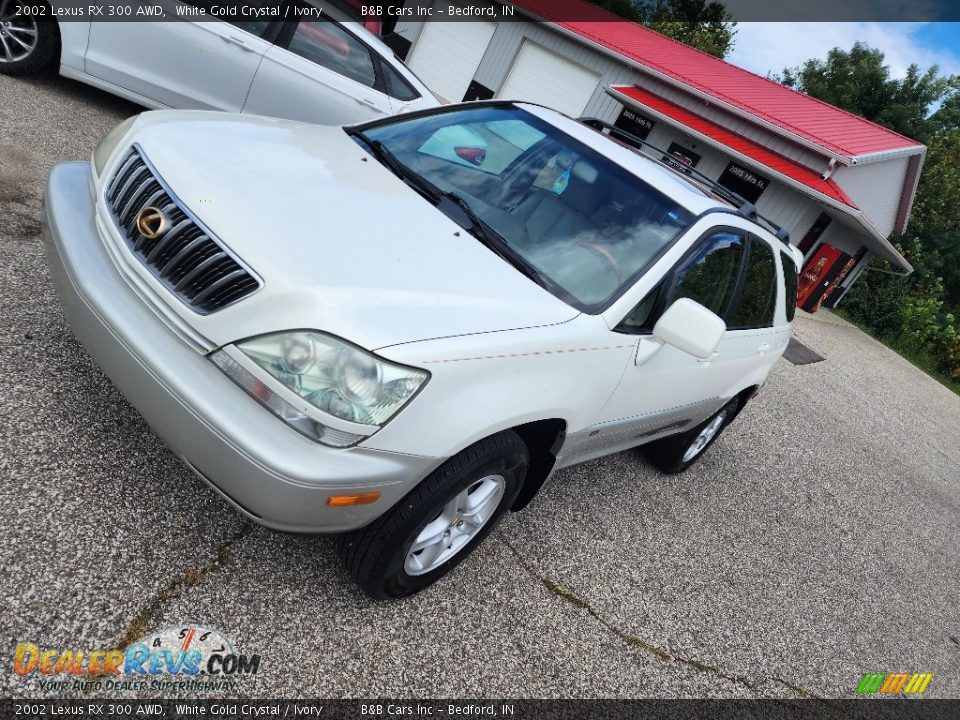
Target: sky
point(769, 47)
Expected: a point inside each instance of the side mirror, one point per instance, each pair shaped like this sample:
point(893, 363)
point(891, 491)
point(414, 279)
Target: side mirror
point(689, 326)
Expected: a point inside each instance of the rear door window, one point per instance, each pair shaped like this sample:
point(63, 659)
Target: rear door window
point(327, 44)
point(756, 301)
point(789, 284)
point(396, 85)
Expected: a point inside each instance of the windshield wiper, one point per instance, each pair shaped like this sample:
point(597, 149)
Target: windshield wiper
point(458, 210)
point(472, 223)
point(468, 220)
point(385, 155)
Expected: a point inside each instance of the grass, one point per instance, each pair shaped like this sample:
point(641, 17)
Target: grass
point(920, 359)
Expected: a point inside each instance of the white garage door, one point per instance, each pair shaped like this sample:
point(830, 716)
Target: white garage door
point(447, 55)
point(542, 76)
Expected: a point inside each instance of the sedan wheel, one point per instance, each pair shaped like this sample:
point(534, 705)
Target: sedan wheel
point(18, 37)
point(25, 45)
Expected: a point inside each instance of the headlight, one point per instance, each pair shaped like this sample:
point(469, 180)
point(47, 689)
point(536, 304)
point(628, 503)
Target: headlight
point(334, 377)
point(111, 140)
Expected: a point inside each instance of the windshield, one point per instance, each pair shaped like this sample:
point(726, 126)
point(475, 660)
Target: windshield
point(579, 220)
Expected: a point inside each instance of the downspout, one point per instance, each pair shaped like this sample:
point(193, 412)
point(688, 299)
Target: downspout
point(831, 166)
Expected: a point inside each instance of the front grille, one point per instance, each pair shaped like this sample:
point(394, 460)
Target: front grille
point(186, 258)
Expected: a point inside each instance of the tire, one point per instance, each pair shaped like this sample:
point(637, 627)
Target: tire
point(676, 453)
point(379, 556)
point(42, 37)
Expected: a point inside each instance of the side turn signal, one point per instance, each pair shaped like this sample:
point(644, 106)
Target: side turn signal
point(358, 499)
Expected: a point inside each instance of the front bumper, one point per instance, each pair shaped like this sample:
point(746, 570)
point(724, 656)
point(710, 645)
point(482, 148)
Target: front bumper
point(266, 469)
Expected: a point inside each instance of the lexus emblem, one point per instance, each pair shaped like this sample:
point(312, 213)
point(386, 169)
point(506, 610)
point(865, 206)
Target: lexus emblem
point(152, 223)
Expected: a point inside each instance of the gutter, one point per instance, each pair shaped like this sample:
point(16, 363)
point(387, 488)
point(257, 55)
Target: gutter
point(908, 151)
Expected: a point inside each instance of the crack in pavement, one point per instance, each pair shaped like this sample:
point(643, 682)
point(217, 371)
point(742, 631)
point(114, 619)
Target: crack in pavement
point(138, 627)
point(662, 654)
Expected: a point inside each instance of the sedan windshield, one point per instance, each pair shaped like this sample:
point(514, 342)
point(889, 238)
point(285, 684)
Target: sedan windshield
point(582, 224)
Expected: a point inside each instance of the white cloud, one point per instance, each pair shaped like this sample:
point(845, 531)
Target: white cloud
point(763, 47)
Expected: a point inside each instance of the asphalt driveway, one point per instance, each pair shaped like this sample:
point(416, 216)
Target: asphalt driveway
point(818, 540)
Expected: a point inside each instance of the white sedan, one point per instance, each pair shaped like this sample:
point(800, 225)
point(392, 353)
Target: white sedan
point(323, 68)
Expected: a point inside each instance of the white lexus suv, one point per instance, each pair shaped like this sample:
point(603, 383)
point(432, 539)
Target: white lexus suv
point(399, 330)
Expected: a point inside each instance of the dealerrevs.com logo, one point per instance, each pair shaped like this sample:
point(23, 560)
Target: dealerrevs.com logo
point(183, 657)
point(894, 683)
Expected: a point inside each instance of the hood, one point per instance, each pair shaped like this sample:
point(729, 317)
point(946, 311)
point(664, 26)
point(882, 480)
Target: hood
point(341, 243)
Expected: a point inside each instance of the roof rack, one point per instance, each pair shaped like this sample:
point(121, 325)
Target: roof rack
point(744, 208)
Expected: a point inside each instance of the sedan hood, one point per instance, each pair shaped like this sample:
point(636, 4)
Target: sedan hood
point(341, 243)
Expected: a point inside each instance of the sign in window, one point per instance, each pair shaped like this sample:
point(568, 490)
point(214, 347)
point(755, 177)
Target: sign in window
point(634, 123)
point(680, 157)
point(744, 182)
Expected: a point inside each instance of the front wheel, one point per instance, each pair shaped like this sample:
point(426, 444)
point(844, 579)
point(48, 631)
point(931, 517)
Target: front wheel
point(440, 522)
point(676, 453)
point(26, 46)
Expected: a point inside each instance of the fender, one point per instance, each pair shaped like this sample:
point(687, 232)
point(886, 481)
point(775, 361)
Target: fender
point(74, 38)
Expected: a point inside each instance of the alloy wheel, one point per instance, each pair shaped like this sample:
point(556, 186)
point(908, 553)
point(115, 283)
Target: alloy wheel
point(18, 36)
point(455, 526)
point(705, 436)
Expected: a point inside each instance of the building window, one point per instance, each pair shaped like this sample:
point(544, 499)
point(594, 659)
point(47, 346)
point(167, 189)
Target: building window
point(680, 157)
point(634, 123)
point(744, 182)
point(814, 233)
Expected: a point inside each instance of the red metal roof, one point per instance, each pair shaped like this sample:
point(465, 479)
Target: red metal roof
point(761, 155)
point(829, 127)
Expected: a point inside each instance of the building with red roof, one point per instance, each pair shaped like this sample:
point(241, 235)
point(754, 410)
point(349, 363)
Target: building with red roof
point(840, 184)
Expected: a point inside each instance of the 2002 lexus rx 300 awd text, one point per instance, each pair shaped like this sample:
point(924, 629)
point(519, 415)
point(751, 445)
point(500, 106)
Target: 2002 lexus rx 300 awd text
point(382, 332)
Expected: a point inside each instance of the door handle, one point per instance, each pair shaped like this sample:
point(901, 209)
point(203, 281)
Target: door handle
point(368, 103)
point(238, 42)
point(763, 349)
point(709, 360)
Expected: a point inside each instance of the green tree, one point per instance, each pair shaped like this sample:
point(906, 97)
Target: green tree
point(704, 25)
point(936, 213)
point(918, 312)
point(947, 117)
point(937, 207)
point(858, 80)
